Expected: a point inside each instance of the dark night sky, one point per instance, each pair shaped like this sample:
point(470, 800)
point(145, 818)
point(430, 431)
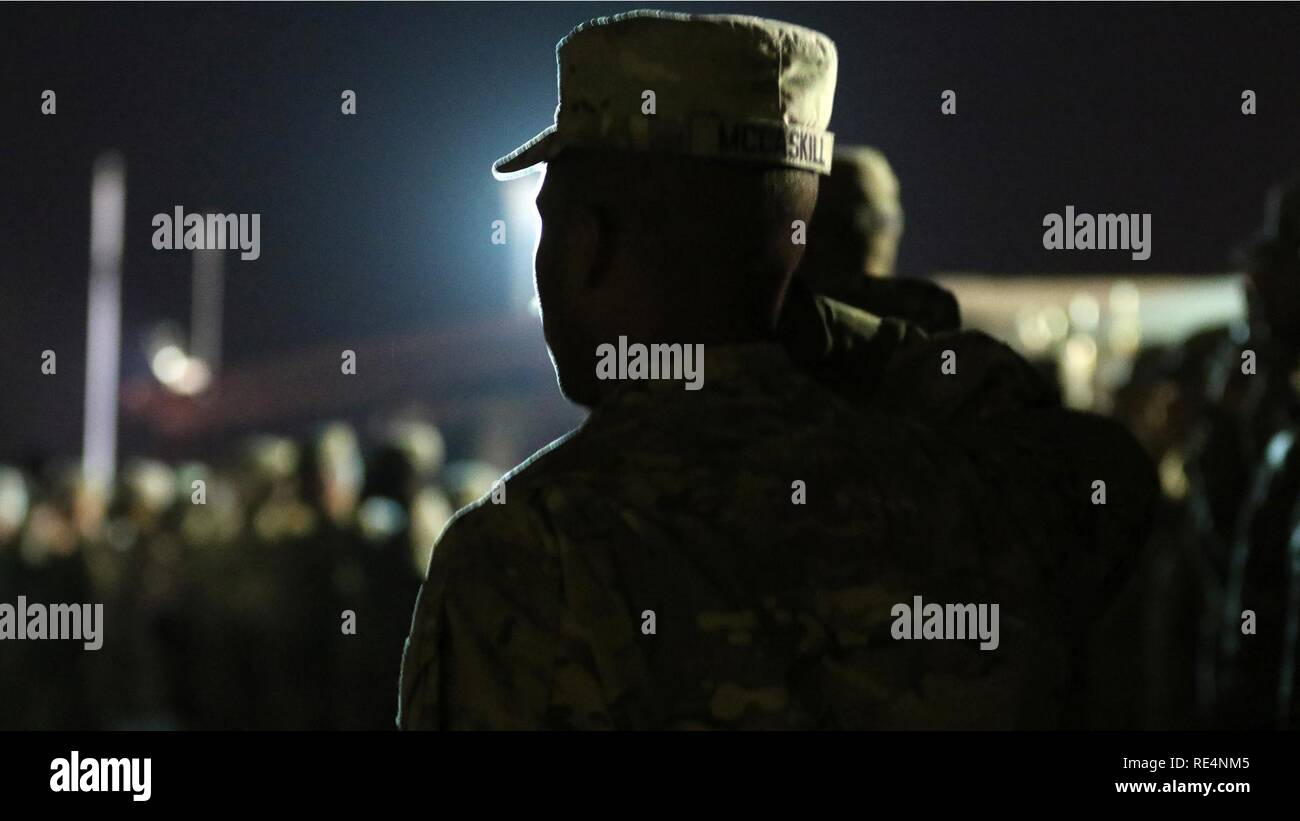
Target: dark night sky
point(379, 223)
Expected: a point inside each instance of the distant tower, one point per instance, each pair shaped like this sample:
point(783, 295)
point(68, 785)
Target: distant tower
point(104, 318)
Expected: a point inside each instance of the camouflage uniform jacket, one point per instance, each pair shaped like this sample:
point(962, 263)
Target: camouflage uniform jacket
point(767, 613)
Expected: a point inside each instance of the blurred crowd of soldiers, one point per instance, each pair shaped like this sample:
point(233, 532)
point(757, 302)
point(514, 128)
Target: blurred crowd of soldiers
point(1220, 414)
point(225, 588)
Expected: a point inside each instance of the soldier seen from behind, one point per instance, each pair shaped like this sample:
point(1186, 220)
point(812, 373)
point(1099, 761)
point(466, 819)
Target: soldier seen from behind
point(734, 553)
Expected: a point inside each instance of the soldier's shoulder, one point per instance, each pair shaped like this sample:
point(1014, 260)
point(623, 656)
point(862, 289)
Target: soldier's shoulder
point(965, 374)
point(519, 512)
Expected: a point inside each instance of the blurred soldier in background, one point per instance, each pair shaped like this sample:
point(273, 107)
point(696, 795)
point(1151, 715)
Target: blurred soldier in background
point(849, 322)
point(1249, 436)
point(870, 336)
point(1218, 412)
point(334, 474)
point(853, 244)
point(858, 222)
point(844, 314)
point(378, 578)
point(732, 556)
point(63, 510)
point(135, 571)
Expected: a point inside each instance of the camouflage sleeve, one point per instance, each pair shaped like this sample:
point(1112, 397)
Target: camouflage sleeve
point(484, 640)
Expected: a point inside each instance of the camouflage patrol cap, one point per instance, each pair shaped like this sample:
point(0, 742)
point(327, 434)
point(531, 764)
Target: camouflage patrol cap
point(865, 182)
point(858, 209)
point(717, 86)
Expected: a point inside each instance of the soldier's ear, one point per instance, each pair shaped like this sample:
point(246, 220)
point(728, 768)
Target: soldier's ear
point(592, 252)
